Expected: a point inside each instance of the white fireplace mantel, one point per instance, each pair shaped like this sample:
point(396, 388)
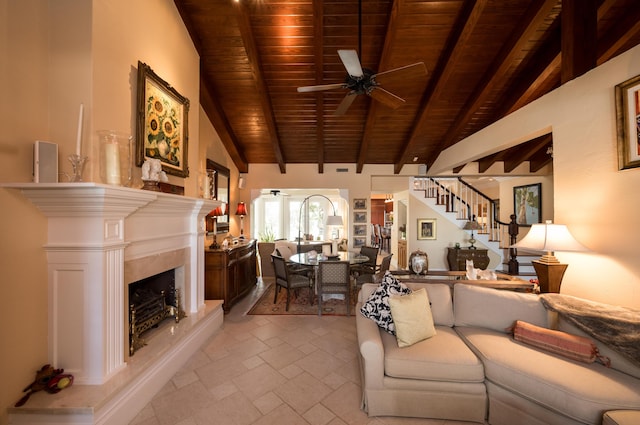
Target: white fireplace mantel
point(93, 230)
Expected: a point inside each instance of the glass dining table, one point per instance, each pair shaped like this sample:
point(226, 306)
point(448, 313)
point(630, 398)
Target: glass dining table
point(304, 258)
point(313, 260)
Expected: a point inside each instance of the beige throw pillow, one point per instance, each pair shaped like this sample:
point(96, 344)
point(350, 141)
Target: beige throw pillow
point(412, 317)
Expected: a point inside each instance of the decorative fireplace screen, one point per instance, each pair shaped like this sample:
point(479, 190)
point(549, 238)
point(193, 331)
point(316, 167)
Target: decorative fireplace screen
point(152, 300)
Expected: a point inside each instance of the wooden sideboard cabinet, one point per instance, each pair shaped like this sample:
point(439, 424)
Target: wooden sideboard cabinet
point(230, 273)
point(457, 257)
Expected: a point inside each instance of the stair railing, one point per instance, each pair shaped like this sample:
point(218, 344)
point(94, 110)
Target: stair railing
point(466, 201)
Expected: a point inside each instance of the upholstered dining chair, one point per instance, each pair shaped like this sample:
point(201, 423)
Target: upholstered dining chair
point(385, 264)
point(368, 266)
point(285, 278)
point(333, 278)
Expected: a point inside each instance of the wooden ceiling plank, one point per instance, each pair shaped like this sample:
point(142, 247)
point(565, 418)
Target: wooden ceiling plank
point(523, 152)
point(579, 35)
point(533, 19)
point(620, 34)
point(538, 70)
point(368, 130)
point(188, 23)
point(246, 32)
point(539, 160)
point(213, 109)
point(485, 163)
point(458, 169)
point(318, 29)
point(447, 64)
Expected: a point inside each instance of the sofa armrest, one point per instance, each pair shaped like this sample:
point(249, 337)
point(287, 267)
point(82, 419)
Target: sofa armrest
point(371, 351)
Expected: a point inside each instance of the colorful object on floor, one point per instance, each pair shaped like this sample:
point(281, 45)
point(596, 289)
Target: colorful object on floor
point(49, 379)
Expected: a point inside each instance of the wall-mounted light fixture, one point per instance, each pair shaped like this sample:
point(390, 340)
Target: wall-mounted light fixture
point(241, 211)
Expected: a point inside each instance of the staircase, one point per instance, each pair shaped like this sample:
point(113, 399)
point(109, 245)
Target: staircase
point(458, 202)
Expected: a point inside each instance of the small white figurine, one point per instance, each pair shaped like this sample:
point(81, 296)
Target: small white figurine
point(152, 170)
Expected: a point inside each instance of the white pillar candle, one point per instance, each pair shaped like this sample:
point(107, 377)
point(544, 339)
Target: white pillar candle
point(112, 163)
point(207, 187)
point(79, 136)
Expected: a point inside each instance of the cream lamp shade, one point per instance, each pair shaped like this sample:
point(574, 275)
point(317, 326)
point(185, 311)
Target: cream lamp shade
point(549, 238)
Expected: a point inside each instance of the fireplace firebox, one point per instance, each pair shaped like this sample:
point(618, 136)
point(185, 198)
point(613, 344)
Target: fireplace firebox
point(151, 301)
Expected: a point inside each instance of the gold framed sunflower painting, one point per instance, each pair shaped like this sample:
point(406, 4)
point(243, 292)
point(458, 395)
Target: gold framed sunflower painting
point(162, 131)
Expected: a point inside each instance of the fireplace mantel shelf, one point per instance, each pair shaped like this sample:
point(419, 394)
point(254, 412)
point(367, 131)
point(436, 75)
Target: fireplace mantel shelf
point(73, 199)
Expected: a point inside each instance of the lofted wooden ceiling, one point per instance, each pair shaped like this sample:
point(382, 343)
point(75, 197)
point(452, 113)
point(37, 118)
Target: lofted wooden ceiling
point(484, 59)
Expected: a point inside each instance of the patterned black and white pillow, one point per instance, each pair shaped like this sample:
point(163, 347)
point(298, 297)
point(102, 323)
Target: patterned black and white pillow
point(377, 306)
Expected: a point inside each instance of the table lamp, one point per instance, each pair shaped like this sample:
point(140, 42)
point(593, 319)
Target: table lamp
point(217, 212)
point(241, 211)
point(472, 225)
point(549, 237)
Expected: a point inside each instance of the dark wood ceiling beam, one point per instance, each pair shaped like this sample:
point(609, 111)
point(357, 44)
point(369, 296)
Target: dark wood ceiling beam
point(543, 66)
point(447, 64)
point(534, 18)
point(485, 163)
point(246, 32)
point(188, 23)
point(318, 29)
point(540, 159)
point(521, 153)
point(616, 38)
point(458, 169)
point(218, 119)
point(373, 106)
point(579, 35)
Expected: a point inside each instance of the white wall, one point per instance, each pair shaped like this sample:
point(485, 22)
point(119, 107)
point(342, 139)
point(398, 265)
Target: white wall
point(306, 176)
point(57, 54)
point(447, 235)
point(598, 202)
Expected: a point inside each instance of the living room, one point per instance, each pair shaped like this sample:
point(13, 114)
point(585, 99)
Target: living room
point(62, 53)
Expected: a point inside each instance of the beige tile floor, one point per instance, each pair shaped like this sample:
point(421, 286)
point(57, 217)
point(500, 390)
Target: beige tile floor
point(263, 370)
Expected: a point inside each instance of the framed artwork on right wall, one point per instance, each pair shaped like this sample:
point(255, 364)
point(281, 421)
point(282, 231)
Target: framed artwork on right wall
point(527, 203)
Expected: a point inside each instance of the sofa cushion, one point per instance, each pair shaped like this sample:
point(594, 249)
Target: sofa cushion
point(577, 390)
point(377, 306)
point(496, 309)
point(443, 357)
point(412, 317)
point(621, 417)
point(440, 300)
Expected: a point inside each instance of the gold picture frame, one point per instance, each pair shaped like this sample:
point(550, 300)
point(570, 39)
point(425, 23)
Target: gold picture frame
point(427, 229)
point(162, 124)
point(627, 96)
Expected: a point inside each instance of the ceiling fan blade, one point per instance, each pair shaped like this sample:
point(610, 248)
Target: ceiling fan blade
point(346, 102)
point(351, 62)
point(320, 87)
point(387, 98)
point(398, 74)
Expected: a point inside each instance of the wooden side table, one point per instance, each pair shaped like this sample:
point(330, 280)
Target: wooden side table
point(457, 257)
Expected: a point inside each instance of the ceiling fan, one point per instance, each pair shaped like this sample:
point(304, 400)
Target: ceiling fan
point(364, 81)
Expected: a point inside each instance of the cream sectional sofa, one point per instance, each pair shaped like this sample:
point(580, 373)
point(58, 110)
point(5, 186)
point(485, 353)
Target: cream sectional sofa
point(473, 369)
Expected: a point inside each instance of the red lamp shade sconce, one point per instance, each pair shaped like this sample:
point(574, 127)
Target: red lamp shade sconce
point(241, 211)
